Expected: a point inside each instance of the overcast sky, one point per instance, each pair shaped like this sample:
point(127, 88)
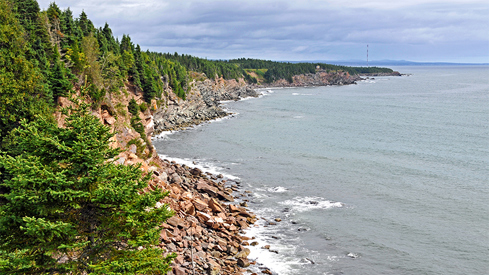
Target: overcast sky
point(415, 30)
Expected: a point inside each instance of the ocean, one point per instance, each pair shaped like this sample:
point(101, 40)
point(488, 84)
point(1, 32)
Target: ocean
point(389, 176)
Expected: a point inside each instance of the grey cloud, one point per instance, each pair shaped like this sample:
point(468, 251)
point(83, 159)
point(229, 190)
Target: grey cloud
point(289, 30)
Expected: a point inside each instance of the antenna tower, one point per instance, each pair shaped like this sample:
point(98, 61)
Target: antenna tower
point(367, 56)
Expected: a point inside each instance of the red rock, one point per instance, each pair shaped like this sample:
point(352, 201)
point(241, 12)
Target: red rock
point(233, 208)
point(215, 206)
point(199, 204)
point(163, 235)
point(176, 221)
point(179, 260)
point(178, 270)
point(203, 186)
point(245, 214)
point(243, 224)
point(225, 196)
point(203, 217)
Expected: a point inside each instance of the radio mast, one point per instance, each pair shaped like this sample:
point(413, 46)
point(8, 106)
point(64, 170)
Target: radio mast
point(367, 56)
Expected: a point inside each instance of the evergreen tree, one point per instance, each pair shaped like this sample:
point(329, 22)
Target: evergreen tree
point(85, 25)
point(70, 209)
point(22, 91)
point(58, 81)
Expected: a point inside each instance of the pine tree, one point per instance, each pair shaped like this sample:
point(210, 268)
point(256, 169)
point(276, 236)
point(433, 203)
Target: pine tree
point(70, 209)
point(85, 25)
point(58, 81)
point(22, 92)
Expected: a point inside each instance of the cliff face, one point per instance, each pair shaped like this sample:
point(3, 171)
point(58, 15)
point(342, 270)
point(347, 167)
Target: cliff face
point(202, 103)
point(320, 78)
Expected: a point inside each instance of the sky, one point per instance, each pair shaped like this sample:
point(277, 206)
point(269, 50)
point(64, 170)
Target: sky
point(305, 30)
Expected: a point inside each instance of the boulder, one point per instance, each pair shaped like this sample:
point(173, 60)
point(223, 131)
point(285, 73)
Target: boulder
point(243, 262)
point(200, 205)
point(215, 206)
point(243, 253)
point(178, 270)
point(176, 222)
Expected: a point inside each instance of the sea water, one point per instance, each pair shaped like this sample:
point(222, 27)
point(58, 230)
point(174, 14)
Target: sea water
point(389, 176)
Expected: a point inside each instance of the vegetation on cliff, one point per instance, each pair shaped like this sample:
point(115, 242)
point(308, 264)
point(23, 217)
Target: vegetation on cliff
point(65, 205)
point(70, 208)
point(273, 70)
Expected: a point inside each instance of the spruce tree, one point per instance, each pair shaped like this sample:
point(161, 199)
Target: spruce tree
point(68, 208)
point(58, 81)
point(22, 91)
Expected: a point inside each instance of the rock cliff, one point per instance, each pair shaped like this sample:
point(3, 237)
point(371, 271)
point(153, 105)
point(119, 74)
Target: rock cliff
point(201, 104)
point(320, 78)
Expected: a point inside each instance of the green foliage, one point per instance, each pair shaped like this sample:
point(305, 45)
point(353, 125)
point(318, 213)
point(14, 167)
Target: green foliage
point(211, 68)
point(121, 109)
point(139, 147)
point(136, 121)
point(67, 199)
point(58, 81)
point(92, 68)
point(22, 86)
point(96, 94)
point(143, 107)
point(133, 107)
point(282, 70)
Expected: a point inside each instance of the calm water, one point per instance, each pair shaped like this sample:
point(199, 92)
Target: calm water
point(390, 176)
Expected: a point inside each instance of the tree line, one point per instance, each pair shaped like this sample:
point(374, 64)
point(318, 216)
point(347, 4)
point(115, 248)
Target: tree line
point(66, 207)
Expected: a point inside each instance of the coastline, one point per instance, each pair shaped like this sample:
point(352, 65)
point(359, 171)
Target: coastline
point(205, 97)
point(206, 230)
point(228, 249)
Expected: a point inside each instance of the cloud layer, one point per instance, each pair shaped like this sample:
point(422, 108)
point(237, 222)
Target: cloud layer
point(417, 30)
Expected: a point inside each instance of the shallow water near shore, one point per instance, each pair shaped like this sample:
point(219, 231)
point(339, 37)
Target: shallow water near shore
point(390, 176)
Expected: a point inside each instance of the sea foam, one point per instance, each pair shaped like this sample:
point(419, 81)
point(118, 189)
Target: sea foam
point(204, 166)
point(301, 204)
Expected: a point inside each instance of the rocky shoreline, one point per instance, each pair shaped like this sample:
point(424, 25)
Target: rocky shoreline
point(203, 100)
point(206, 230)
point(202, 104)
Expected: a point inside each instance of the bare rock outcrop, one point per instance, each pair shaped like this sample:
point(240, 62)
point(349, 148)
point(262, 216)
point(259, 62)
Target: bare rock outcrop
point(201, 104)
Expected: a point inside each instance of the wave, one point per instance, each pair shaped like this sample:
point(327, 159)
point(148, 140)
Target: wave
point(279, 258)
point(163, 135)
point(302, 204)
point(204, 166)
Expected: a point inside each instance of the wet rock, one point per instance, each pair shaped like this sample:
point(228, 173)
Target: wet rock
point(243, 262)
point(243, 254)
point(309, 260)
